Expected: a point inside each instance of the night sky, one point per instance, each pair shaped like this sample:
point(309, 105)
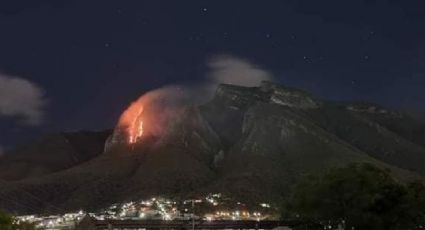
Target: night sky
point(91, 58)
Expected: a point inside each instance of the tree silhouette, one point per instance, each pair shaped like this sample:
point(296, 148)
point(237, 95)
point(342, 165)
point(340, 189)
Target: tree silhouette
point(8, 222)
point(360, 196)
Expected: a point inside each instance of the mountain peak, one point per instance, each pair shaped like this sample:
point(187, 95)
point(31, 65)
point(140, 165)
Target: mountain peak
point(252, 143)
point(268, 92)
point(371, 108)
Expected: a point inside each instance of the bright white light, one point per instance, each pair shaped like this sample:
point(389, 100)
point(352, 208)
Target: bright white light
point(265, 205)
point(167, 217)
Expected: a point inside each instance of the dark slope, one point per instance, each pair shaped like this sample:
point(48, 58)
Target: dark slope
point(278, 139)
point(373, 134)
point(52, 153)
point(404, 124)
point(181, 161)
point(278, 146)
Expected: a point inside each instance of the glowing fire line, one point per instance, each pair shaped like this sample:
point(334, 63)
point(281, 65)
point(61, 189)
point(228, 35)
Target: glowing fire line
point(135, 131)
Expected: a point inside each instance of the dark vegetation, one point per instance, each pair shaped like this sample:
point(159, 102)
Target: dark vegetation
point(359, 196)
point(8, 222)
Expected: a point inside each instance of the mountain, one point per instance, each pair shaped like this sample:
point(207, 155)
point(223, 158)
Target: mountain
point(52, 153)
point(252, 143)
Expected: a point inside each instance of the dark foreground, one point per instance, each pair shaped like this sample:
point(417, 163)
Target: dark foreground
point(89, 223)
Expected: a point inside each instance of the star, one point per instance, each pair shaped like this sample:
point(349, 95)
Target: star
point(196, 37)
point(205, 9)
point(225, 35)
point(307, 59)
point(107, 45)
point(268, 36)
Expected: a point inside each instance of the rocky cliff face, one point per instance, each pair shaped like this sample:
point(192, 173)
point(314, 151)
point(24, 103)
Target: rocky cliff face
point(369, 108)
point(240, 97)
point(251, 143)
point(290, 97)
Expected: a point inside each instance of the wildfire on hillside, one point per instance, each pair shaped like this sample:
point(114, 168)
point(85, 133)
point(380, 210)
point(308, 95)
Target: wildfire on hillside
point(132, 121)
point(150, 114)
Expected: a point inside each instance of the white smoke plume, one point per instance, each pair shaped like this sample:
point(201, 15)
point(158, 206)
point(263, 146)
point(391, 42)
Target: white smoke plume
point(226, 69)
point(157, 107)
point(22, 99)
point(231, 70)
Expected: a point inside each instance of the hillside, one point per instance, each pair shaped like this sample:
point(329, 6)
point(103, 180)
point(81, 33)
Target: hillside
point(52, 153)
point(250, 143)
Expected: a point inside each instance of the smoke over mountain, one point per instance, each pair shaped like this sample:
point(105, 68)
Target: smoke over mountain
point(227, 69)
point(236, 71)
point(152, 111)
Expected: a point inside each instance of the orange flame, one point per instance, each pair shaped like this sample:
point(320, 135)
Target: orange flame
point(149, 114)
point(135, 131)
point(132, 121)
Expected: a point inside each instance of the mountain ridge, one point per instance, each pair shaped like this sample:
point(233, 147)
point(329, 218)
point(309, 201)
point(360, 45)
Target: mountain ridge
point(252, 143)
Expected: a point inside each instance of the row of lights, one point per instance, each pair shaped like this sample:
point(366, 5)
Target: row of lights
point(166, 209)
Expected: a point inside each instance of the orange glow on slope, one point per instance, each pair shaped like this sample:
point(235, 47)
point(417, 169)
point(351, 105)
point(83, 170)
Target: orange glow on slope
point(149, 115)
point(132, 121)
point(135, 131)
